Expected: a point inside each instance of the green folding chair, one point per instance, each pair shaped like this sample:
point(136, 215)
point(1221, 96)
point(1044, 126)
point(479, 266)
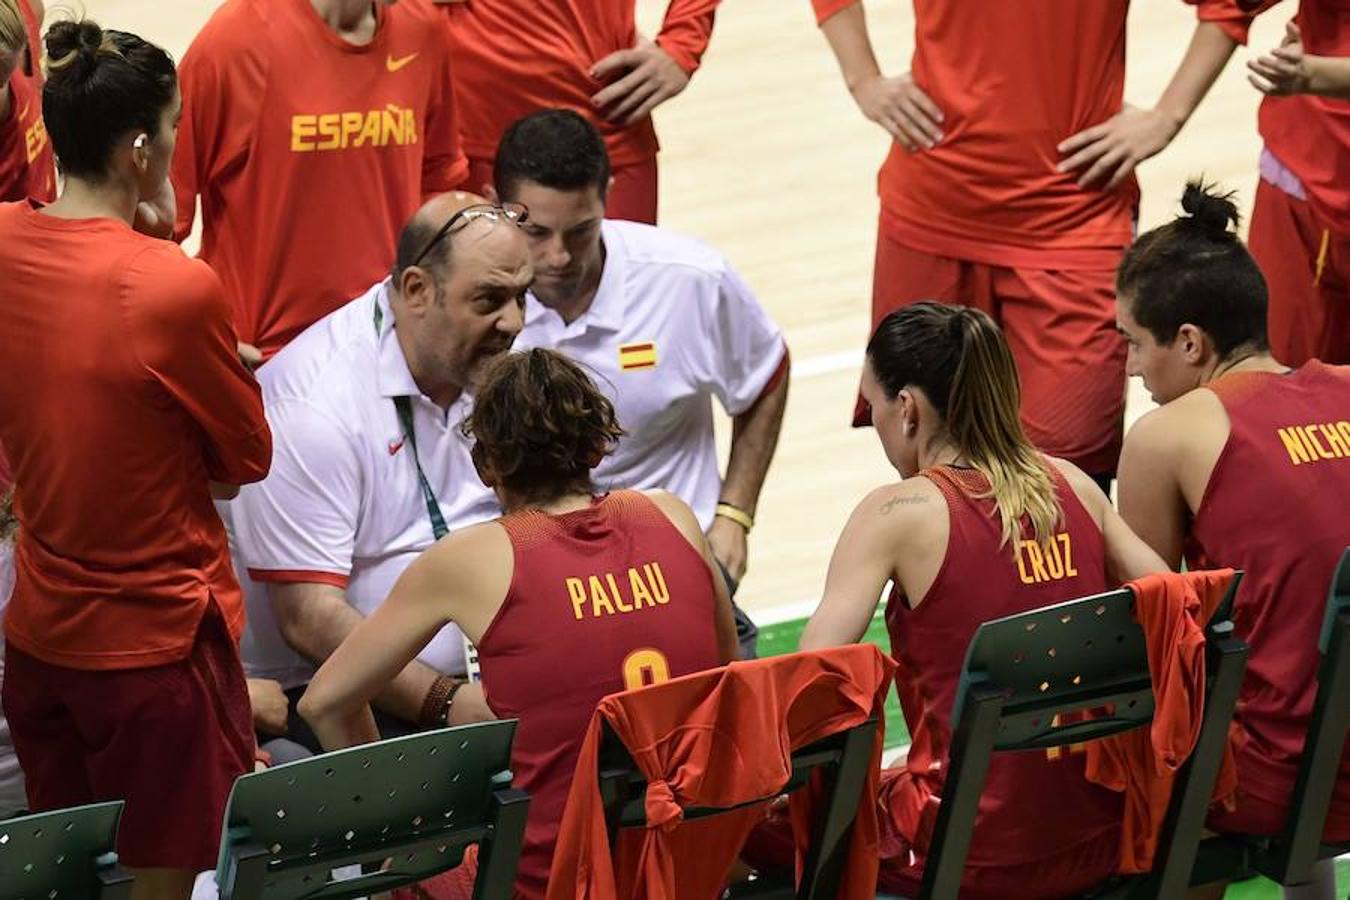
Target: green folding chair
point(67, 854)
point(1289, 858)
point(1023, 672)
point(403, 809)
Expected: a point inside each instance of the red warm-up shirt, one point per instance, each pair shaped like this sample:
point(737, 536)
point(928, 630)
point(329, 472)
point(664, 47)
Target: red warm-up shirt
point(310, 153)
point(1013, 80)
point(980, 580)
point(121, 397)
point(514, 57)
point(1275, 506)
point(603, 600)
point(26, 165)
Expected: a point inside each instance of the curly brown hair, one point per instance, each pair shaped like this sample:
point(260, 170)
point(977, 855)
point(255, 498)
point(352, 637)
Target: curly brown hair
point(541, 425)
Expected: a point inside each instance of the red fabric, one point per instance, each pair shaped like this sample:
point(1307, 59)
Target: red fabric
point(1172, 609)
point(513, 57)
point(632, 196)
point(1311, 135)
point(1009, 95)
point(121, 397)
point(1288, 456)
point(27, 168)
point(1060, 326)
point(310, 154)
point(580, 580)
point(1309, 314)
point(84, 737)
point(981, 580)
point(718, 739)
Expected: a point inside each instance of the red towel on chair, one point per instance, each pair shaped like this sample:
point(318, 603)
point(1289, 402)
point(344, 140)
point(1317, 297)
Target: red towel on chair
point(1173, 610)
point(718, 739)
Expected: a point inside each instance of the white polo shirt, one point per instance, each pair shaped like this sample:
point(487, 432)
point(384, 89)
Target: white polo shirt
point(672, 325)
point(342, 504)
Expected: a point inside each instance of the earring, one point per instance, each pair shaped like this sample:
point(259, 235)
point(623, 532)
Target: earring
point(911, 427)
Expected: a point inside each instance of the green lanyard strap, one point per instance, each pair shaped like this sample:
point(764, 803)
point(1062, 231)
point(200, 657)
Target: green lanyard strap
point(403, 406)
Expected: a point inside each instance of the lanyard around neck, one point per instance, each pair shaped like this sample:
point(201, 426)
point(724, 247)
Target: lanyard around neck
point(403, 406)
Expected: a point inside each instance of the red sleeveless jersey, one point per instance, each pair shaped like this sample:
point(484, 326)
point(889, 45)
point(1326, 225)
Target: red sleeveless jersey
point(1276, 507)
point(1036, 805)
point(602, 600)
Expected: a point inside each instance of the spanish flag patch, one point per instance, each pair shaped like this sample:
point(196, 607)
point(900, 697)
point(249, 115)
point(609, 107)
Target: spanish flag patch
point(637, 356)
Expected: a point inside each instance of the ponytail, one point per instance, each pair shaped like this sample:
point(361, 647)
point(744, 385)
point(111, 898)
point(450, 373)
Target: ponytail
point(984, 423)
point(959, 359)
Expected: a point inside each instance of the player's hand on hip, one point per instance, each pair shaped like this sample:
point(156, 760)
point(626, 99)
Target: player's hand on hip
point(902, 108)
point(647, 77)
point(1108, 153)
point(470, 706)
point(155, 216)
point(270, 707)
point(1284, 70)
point(728, 542)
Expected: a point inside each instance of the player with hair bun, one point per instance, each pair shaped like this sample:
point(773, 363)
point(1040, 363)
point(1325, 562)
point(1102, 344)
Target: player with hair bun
point(616, 590)
point(122, 405)
point(1246, 464)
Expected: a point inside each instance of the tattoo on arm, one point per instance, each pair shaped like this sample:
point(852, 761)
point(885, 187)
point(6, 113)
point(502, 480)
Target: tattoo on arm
point(899, 500)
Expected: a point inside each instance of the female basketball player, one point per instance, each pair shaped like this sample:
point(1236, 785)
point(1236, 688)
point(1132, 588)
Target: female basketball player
point(26, 168)
point(1246, 465)
point(982, 526)
point(569, 597)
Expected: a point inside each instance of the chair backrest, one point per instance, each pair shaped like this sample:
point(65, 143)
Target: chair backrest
point(1291, 858)
point(66, 854)
point(1024, 679)
point(415, 801)
point(841, 760)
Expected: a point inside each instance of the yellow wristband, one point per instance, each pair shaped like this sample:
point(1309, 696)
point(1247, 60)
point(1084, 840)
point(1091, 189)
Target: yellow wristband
point(737, 515)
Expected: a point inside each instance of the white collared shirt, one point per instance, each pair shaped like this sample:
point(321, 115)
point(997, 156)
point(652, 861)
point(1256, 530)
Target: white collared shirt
point(672, 325)
point(342, 504)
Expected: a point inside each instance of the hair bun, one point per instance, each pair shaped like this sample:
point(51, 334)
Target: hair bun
point(1209, 209)
point(73, 48)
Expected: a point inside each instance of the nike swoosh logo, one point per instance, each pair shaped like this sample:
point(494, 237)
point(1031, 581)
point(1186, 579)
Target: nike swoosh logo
point(393, 65)
point(395, 446)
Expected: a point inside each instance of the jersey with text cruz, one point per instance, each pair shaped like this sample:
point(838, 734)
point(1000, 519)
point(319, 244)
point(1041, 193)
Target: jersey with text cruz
point(1275, 507)
point(980, 580)
point(27, 168)
point(603, 600)
point(310, 153)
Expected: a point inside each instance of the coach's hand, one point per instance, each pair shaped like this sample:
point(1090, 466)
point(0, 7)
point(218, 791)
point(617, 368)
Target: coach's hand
point(898, 105)
point(470, 706)
point(650, 77)
point(155, 216)
point(728, 543)
point(270, 706)
point(1110, 151)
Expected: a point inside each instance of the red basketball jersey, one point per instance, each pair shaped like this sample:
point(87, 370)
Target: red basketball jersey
point(603, 600)
point(1035, 805)
point(27, 168)
point(1276, 507)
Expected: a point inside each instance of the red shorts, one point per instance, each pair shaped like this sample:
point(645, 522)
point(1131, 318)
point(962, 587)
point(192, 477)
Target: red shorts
point(632, 196)
point(1256, 814)
point(169, 740)
point(1307, 269)
point(1061, 327)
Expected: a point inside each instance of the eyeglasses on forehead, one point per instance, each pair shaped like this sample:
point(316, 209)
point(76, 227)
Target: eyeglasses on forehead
point(515, 213)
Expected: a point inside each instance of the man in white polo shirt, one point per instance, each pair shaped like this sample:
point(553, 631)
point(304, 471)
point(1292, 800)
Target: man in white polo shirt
point(663, 322)
point(370, 465)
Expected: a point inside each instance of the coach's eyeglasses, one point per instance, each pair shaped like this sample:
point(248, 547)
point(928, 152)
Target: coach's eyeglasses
point(515, 213)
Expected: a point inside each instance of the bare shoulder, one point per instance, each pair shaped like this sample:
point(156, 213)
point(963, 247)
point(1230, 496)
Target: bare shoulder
point(1088, 492)
point(679, 513)
point(897, 508)
point(471, 552)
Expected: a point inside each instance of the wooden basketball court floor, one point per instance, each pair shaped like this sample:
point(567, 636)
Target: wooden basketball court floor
point(766, 158)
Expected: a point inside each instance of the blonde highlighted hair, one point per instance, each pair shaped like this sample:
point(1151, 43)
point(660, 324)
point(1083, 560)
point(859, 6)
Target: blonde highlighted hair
point(13, 29)
point(960, 360)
